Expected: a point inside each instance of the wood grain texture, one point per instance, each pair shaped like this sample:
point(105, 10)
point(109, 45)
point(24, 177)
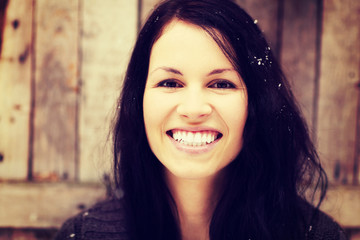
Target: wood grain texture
point(298, 51)
point(108, 35)
point(356, 170)
point(24, 205)
point(15, 86)
point(27, 234)
point(266, 14)
point(56, 87)
point(3, 8)
point(343, 204)
point(338, 93)
point(147, 6)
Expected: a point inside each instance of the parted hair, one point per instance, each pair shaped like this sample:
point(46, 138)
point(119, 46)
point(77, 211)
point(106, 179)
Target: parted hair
point(278, 163)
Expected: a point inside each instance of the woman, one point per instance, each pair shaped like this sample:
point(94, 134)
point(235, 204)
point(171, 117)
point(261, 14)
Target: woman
point(208, 141)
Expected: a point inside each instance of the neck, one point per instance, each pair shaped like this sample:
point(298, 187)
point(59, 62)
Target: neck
point(196, 200)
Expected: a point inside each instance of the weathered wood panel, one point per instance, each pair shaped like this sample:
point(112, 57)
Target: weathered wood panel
point(298, 52)
point(147, 6)
point(356, 169)
point(266, 12)
point(3, 8)
point(338, 94)
point(56, 89)
point(27, 234)
point(15, 87)
point(343, 204)
point(44, 205)
point(108, 35)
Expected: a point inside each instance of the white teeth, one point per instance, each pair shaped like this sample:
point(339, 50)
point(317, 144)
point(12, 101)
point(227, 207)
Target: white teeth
point(190, 137)
point(194, 138)
point(204, 138)
point(197, 139)
point(183, 135)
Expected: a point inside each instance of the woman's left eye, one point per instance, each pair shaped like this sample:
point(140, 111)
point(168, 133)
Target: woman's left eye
point(169, 83)
point(222, 84)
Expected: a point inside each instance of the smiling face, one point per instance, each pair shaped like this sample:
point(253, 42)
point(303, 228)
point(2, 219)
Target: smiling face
point(195, 103)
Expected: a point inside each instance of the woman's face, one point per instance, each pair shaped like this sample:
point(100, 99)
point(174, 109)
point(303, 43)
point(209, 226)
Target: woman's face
point(195, 103)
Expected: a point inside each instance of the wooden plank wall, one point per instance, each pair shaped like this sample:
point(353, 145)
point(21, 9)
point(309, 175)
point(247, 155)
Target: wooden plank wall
point(59, 83)
point(15, 86)
point(61, 69)
point(339, 90)
point(56, 85)
point(108, 35)
point(299, 52)
point(44, 205)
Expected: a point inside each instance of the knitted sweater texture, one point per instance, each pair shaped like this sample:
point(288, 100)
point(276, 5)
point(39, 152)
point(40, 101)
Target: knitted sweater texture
point(106, 221)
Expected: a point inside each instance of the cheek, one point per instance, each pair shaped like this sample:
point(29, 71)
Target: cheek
point(156, 109)
point(233, 111)
point(151, 111)
point(151, 119)
point(235, 116)
point(238, 119)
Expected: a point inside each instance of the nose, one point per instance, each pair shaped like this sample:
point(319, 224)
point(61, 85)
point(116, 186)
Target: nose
point(194, 106)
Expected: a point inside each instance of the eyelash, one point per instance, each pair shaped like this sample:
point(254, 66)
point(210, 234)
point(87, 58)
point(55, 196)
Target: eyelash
point(171, 83)
point(221, 82)
point(166, 84)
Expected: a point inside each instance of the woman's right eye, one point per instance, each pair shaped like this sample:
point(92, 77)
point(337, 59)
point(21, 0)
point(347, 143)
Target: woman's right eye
point(169, 83)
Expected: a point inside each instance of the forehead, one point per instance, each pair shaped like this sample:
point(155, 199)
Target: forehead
point(181, 41)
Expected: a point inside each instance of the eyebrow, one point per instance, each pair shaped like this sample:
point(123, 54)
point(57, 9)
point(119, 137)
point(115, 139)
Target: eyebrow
point(218, 71)
point(175, 71)
point(169, 69)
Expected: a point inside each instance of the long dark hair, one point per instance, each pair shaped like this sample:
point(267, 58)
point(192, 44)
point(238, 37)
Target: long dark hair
point(266, 183)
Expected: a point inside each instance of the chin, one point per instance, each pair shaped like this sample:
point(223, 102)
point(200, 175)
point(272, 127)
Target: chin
point(192, 173)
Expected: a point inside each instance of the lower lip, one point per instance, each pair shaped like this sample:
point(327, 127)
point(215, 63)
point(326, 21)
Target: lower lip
point(194, 149)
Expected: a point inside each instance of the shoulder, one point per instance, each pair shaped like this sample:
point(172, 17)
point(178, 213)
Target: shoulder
point(321, 226)
point(105, 220)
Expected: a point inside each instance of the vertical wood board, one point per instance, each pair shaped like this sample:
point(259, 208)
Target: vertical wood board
point(356, 170)
point(338, 94)
point(298, 55)
point(108, 35)
point(3, 8)
point(266, 14)
point(15, 87)
point(55, 89)
point(147, 6)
